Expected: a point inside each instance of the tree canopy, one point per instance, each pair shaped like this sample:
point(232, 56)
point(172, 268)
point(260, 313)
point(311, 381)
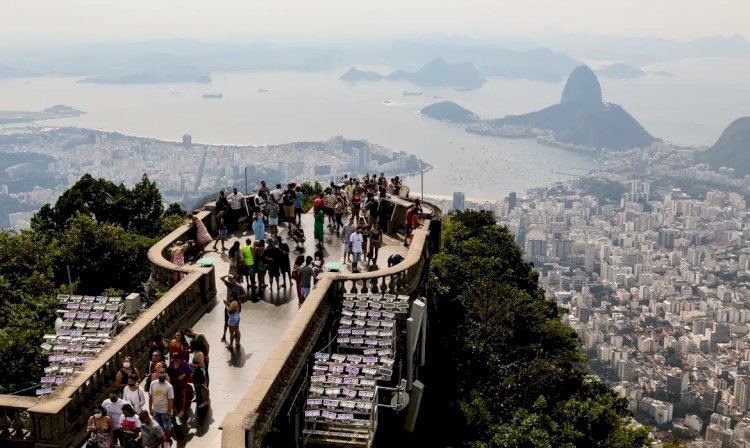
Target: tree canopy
point(99, 232)
point(510, 372)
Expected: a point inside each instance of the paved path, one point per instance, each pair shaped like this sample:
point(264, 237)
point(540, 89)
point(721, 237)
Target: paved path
point(262, 325)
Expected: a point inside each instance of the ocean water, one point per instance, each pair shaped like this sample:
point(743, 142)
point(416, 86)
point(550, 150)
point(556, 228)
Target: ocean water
point(692, 107)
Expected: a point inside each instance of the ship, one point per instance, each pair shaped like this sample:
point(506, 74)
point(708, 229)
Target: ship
point(213, 95)
point(262, 91)
point(412, 93)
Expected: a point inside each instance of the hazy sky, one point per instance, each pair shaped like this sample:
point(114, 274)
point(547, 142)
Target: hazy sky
point(26, 20)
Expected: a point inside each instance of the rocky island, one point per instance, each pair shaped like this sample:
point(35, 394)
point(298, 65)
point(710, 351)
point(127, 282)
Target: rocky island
point(582, 119)
point(435, 73)
point(620, 70)
point(732, 150)
point(59, 111)
point(450, 112)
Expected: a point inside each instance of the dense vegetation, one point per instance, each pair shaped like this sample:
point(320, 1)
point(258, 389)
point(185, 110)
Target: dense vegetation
point(505, 371)
point(98, 230)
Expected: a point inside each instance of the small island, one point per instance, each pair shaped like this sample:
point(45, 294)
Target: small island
point(435, 73)
point(620, 71)
point(450, 112)
point(58, 111)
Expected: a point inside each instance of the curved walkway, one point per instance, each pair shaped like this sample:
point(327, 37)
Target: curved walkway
point(262, 324)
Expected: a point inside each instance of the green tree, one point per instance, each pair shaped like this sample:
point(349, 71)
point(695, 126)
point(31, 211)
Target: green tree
point(98, 230)
point(508, 370)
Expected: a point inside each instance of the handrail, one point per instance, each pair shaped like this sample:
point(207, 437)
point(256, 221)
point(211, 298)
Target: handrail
point(239, 425)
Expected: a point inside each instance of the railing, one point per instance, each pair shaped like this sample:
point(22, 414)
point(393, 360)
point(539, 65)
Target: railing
point(251, 420)
point(58, 420)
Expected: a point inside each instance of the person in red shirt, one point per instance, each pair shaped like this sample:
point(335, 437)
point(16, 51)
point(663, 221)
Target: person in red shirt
point(319, 203)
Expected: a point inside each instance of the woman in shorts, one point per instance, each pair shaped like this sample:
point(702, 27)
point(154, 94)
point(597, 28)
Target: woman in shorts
point(273, 217)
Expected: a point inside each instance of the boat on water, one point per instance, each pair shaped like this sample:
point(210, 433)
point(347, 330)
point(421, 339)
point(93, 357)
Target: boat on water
point(412, 93)
point(213, 95)
point(387, 102)
point(262, 91)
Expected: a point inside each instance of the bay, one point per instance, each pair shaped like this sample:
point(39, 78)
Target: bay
point(315, 106)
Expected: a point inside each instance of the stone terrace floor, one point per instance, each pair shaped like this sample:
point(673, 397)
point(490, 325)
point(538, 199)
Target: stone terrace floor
point(262, 325)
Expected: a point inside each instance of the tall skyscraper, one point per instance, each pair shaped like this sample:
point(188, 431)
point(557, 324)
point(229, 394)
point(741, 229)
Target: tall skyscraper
point(459, 201)
point(512, 200)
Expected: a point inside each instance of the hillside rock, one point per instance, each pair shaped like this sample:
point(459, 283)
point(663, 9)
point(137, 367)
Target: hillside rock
point(732, 149)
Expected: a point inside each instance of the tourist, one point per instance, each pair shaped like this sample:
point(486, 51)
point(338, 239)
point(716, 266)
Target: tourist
point(288, 201)
point(356, 248)
point(179, 347)
point(273, 217)
point(407, 224)
point(271, 257)
point(236, 260)
point(233, 308)
point(235, 205)
point(338, 213)
point(222, 203)
point(180, 376)
point(372, 206)
point(296, 276)
point(365, 238)
point(249, 268)
point(121, 379)
point(159, 344)
point(330, 202)
point(283, 261)
point(376, 240)
point(306, 274)
point(263, 191)
point(390, 189)
point(221, 230)
point(232, 288)
point(101, 428)
point(276, 195)
point(192, 252)
point(152, 436)
point(133, 394)
point(259, 250)
point(356, 202)
point(319, 222)
point(298, 205)
point(198, 362)
point(298, 236)
point(318, 262)
point(414, 223)
point(259, 204)
point(177, 256)
point(259, 227)
point(130, 427)
point(349, 230)
point(319, 203)
point(113, 407)
point(161, 403)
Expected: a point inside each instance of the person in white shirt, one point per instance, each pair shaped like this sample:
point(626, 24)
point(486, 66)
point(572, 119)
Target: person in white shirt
point(356, 240)
point(235, 204)
point(113, 407)
point(277, 194)
point(134, 395)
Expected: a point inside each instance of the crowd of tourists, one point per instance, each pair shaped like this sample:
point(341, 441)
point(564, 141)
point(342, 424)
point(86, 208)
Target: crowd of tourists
point(144, 409)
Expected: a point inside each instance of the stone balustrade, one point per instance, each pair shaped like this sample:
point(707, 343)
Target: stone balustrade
point(248, 424)
point(59, 419)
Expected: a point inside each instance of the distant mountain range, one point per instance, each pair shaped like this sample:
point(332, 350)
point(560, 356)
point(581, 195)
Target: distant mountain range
point(732, 149)
point(437, 72)
point(620, 70)
point(581, 118)
point(450, 112)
